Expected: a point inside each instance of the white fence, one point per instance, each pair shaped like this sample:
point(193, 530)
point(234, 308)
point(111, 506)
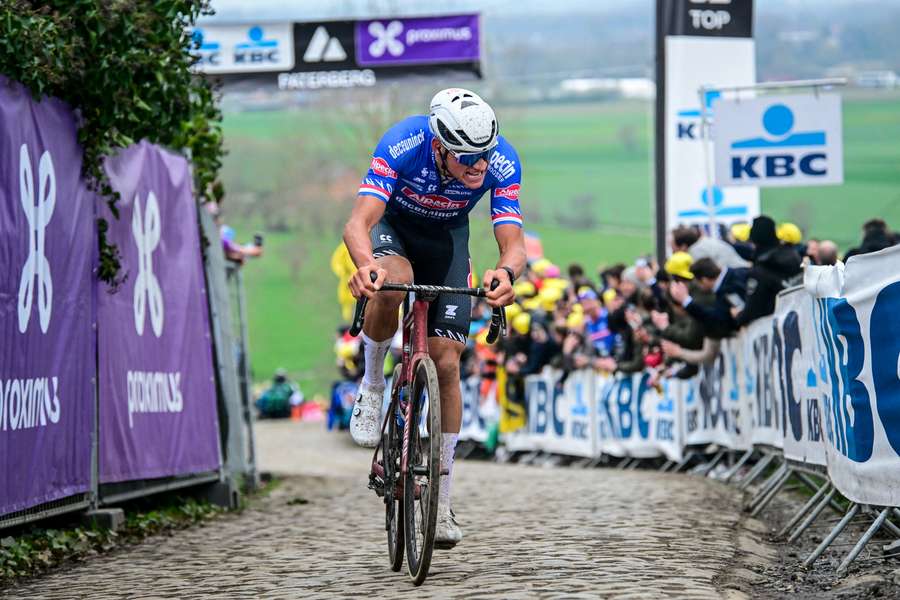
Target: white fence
point(819, 381)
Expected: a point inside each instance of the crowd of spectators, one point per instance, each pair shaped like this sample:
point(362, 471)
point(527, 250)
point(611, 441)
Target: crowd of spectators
point(668, 319)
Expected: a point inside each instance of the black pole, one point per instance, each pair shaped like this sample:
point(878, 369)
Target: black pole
point(660, 131)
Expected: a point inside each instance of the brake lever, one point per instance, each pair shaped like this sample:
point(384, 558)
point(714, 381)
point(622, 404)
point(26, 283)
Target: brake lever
point(498, 320)
point(359, 314)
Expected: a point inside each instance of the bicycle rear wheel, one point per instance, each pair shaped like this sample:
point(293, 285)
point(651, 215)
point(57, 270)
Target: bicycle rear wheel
point(393, 491)
point(421, 485)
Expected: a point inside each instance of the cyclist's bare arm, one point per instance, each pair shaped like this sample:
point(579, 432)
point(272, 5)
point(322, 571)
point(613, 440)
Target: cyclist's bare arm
point(511, 243)
point(366, 214)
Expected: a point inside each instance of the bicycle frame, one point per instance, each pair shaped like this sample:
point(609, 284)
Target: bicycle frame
point(414, 348)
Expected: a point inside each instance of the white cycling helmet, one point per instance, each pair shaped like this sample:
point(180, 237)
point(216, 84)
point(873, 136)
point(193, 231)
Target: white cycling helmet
point(462, 121)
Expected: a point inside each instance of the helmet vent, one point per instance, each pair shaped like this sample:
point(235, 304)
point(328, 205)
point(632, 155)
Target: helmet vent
point(467, 103)
point(447, 134)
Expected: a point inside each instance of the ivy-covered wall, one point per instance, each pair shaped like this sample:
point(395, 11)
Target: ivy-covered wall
point(124, 66)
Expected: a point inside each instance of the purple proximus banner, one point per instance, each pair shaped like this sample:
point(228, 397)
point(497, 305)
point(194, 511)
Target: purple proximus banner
point(157, 393)
point(420, 40)
point(47, 243)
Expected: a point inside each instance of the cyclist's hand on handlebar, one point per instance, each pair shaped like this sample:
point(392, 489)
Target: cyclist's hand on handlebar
point(503, 295)
point(361, 283)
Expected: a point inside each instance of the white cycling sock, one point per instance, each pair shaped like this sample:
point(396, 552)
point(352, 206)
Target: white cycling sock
point(375, 353)
point(448, 450)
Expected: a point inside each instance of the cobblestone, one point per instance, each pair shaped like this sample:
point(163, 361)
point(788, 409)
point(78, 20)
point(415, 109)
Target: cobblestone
point(530, 532)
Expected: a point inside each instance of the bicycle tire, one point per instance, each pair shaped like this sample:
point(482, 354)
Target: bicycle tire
point(423, 472)
point(393, 502)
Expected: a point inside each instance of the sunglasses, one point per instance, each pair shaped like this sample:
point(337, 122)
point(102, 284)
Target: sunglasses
point(471, 159)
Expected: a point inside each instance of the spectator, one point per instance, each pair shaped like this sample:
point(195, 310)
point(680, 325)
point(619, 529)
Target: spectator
point(876, 236)
point(276, 402)
point(578, 278)
point(739, 238)
point(826, 253)
point(628, 285)
point(544, 348)
point(688, 239)
point(611, 278)
point(729, 287)
point(234, 252)
point(774, 265)
point(596, 324)
point(812, 251)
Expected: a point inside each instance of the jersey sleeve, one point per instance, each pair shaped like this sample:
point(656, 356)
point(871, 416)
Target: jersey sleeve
point(506, 169)
point(381, 177)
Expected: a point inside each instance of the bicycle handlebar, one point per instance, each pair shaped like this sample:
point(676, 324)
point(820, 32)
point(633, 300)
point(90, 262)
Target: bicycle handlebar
point(498, 316)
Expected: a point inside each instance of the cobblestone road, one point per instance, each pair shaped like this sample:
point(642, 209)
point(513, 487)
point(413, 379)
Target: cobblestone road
point(530, 532)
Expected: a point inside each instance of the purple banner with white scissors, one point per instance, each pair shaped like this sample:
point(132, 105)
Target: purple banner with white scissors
point(47, 246)
point(420, 40)
point(157, 394)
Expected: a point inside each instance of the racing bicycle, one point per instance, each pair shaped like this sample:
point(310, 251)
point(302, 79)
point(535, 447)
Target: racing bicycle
point(406, 466)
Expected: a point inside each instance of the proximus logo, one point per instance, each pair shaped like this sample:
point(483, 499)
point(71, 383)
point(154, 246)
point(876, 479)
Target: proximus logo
point(146, 232)
point(38, 215)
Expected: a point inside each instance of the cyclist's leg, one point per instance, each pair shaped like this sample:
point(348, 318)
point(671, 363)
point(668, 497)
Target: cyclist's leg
point(379, 328)
point(382, 311)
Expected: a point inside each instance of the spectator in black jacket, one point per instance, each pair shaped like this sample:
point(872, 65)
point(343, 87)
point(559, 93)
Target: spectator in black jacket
point(773, 265)
point(730, 289)
point(876, 236)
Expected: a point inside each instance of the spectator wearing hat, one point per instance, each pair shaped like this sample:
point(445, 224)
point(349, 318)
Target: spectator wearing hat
point(774, 265)
point(739, 238)
point(676, 325)
point(688, 239)
point(729, 287)
point(790, 234)
point(596, 324)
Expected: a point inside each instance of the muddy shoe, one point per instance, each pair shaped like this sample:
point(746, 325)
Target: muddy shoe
point(447, 533)
point(365, 422)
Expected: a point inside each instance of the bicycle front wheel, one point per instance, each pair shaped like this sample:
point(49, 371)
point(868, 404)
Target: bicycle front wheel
point(422, 480)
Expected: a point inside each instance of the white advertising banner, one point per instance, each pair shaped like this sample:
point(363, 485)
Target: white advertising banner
point(245, 48)
point(559, 416)
point(479, 409)
point(797, 352)
point(636, 419)
point(705, 45)
point(760, 389)
point(859, 331)
point(784, 140)
point(715, 410)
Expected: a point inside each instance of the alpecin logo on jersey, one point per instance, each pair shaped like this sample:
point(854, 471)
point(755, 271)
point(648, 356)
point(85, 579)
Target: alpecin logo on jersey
point(433, 201)
point(510, 192)
point(501, 167)
point(380, 167)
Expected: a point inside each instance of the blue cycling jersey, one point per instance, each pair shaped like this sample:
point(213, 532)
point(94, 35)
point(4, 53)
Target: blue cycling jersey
point(404, 175)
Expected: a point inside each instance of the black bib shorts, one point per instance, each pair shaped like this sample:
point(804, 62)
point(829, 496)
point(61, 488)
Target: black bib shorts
point(439, 255)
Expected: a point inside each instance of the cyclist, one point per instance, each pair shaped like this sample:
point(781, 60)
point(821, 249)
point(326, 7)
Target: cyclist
point(410, 223)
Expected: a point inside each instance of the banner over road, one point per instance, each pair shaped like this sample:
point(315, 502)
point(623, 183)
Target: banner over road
point(340, 54)
point(47, 248)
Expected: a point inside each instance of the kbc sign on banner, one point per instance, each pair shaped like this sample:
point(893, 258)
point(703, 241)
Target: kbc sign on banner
point(785, 140)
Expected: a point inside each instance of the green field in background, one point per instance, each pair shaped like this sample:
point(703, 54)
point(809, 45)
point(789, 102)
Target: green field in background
point(587, 192)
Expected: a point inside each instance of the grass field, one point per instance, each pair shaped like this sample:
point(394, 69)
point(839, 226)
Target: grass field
point(587, 192)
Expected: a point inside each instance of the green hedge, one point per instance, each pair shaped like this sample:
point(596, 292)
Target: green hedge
point(124, 66)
